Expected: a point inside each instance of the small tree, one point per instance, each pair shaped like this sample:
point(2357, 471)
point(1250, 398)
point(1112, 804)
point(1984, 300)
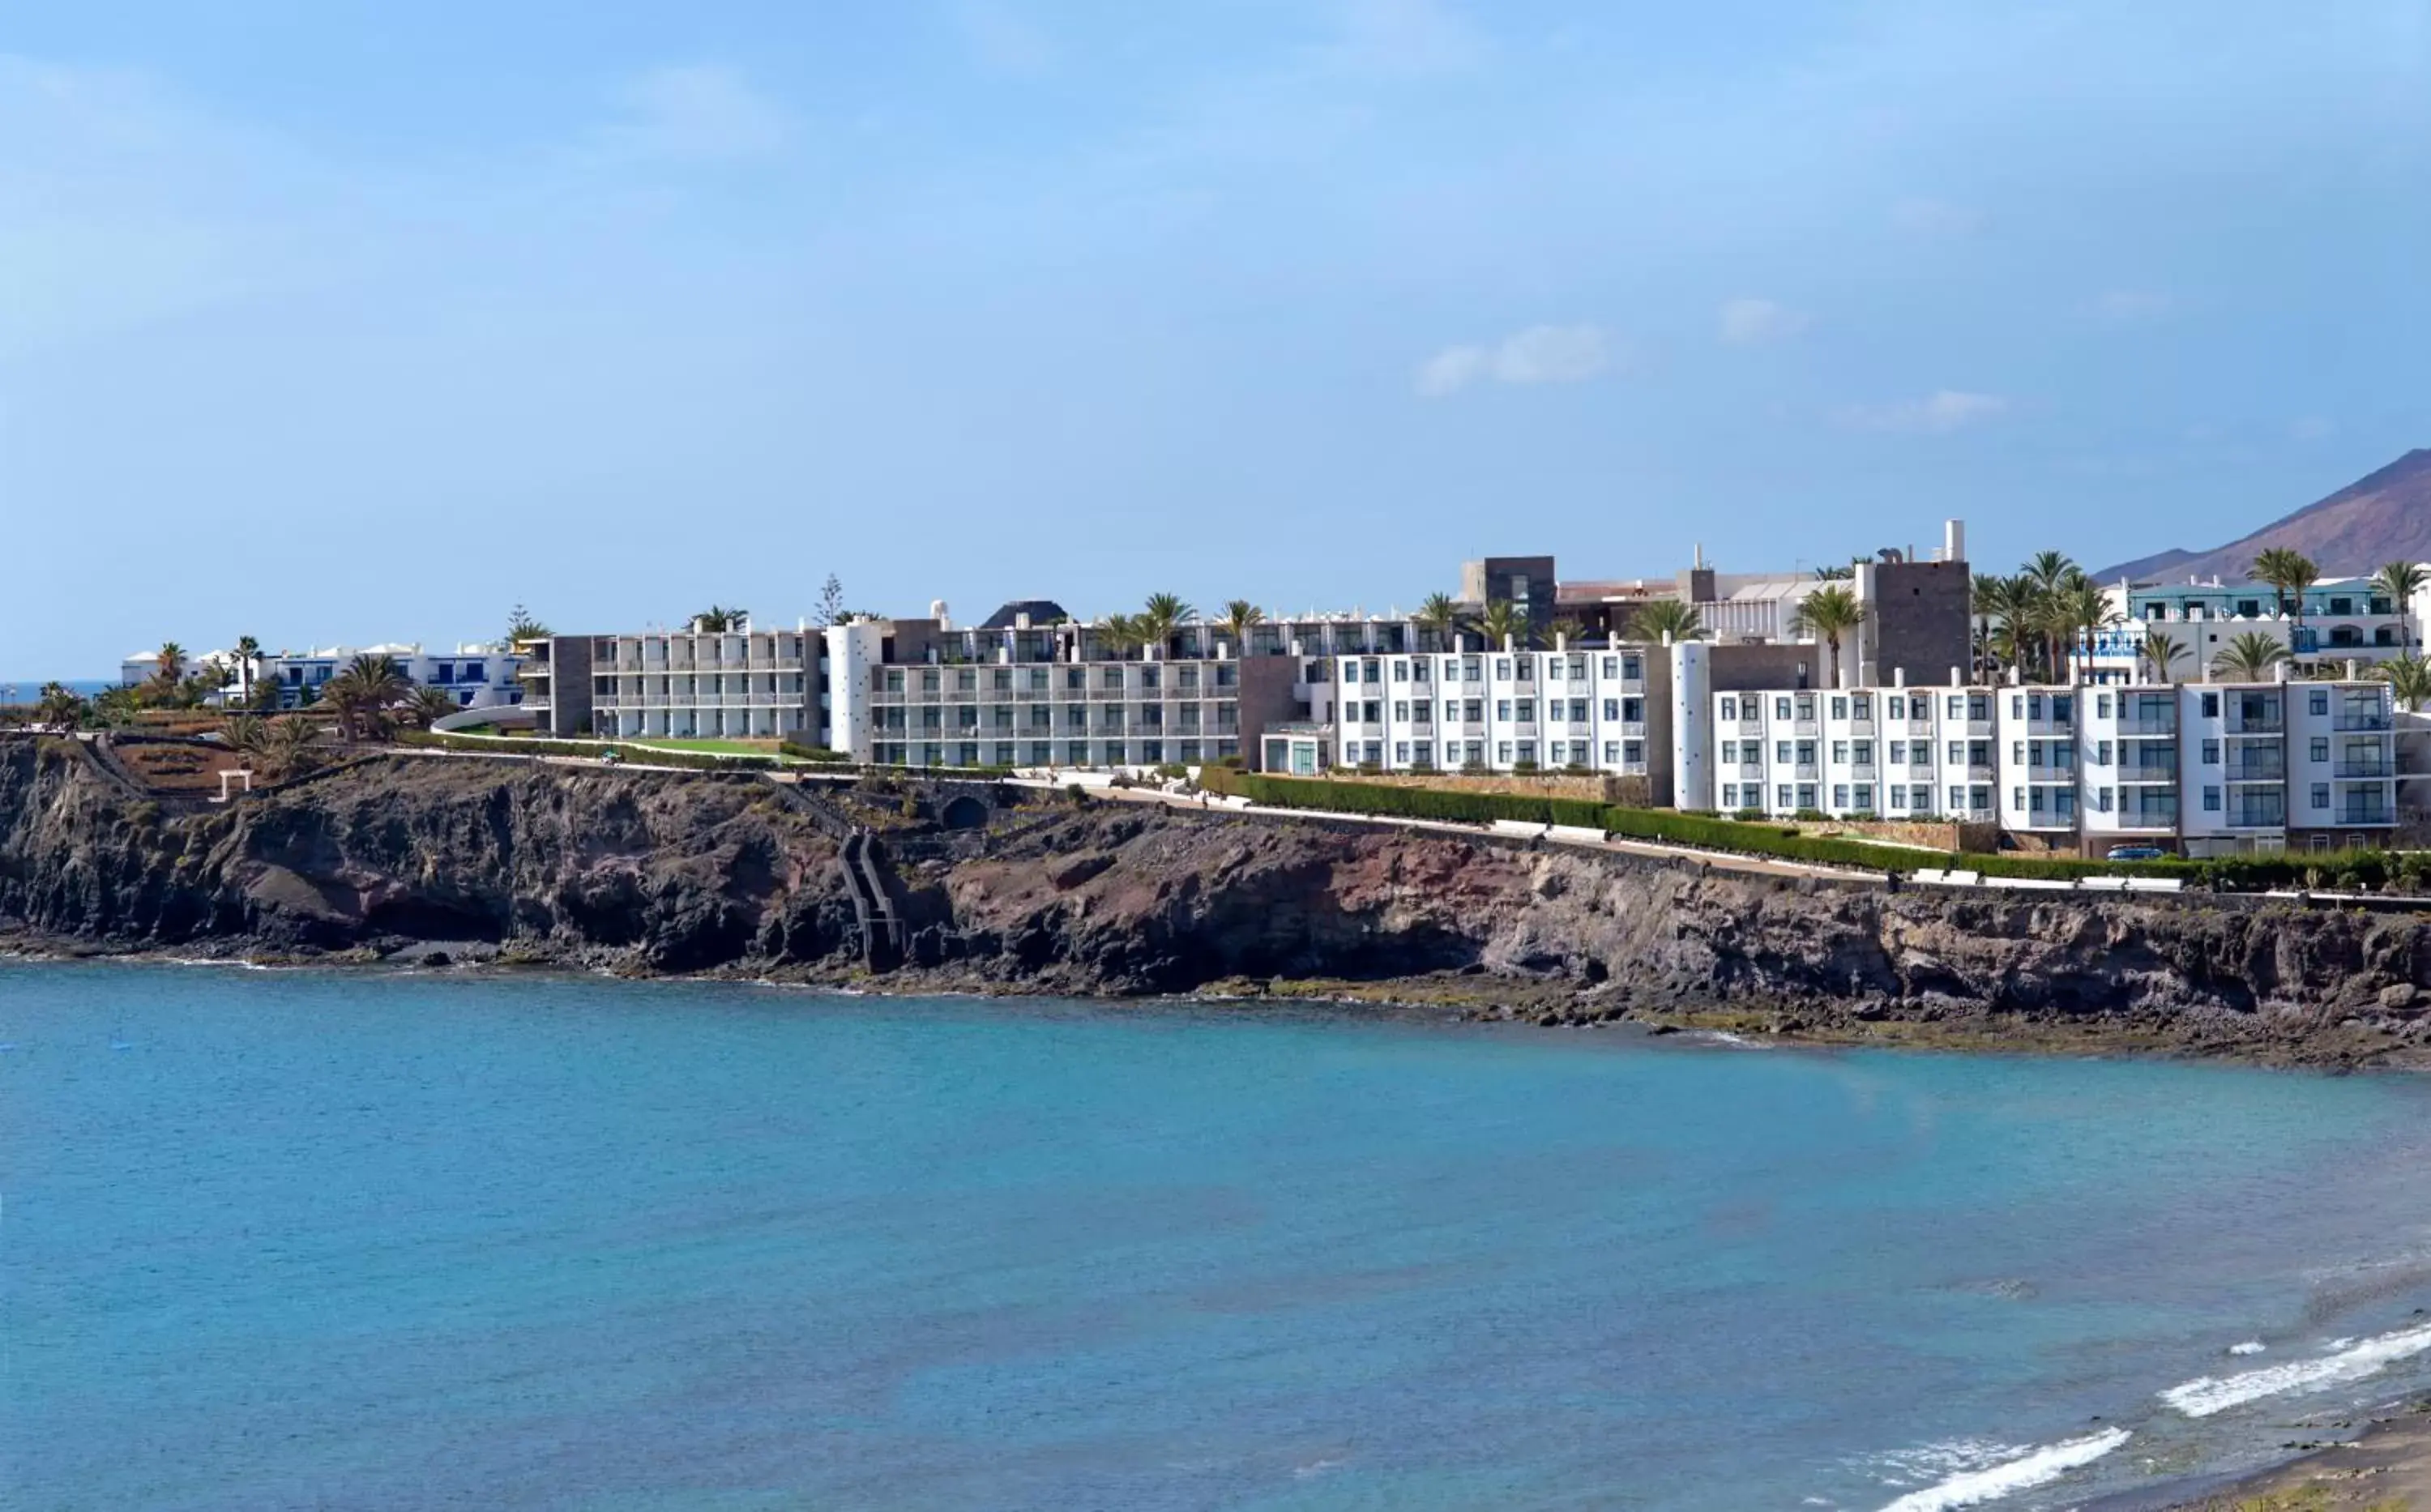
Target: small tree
point(830, 609)
point(1657, 618)
point(2399, 582)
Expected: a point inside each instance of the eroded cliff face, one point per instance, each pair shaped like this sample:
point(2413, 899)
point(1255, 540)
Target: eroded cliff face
point(659, 873)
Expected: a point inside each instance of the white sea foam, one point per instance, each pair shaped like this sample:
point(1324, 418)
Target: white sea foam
point(2252, 1346)
point(2353, 1362)
point(2039, 1467)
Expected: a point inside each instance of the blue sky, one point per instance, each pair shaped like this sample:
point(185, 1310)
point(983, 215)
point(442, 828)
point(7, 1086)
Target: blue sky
point(333, 320)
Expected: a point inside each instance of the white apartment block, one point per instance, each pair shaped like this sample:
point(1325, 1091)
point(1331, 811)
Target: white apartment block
point(2207, 768)
point(743, 684)
point(1893, 753)
point(1497, 711)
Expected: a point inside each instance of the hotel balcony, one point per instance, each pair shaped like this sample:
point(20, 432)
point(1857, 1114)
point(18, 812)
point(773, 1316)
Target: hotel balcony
point(1807, 771)
point(2257, 817)
point(2356, 771)
point(2356, 813)
point(1982, 772)
point(1919, 729)
point(2148, 776)
point(2256, 722)
point(2255, 771)
point(2361, 719)
point(2134, 728)
point(1748, 770)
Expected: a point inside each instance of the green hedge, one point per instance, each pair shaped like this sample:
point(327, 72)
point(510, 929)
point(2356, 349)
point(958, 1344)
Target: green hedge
point(697, 760)
point(820, 754)
point(2340, 871)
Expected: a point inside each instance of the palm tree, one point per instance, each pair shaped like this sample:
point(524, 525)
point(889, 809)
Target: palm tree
point(60, 708)
point(2162, 649)
point(2084, 611)
point(1503, 624)
point(1828, 614)
point(2400, 581)
point(717, 620)
point(2249, 657)
point(1659, 617)
point(2011, 605)
point(2289, 572)
point(1568, 630)
point(424, 707)
point(1122, 634)
point(2409, 680)
point(292, 746)
point(364, 692)
point(245, 734)
point(1240, 617)
point(249, 658)
point(172, 669)
point(1161, 616)
point(1439, 615)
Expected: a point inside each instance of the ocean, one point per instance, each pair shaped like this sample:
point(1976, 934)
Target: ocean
point(278, 1240)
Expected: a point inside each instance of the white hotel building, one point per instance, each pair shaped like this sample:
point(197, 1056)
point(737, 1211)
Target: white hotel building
point(2207, 768)
point(1500, 711)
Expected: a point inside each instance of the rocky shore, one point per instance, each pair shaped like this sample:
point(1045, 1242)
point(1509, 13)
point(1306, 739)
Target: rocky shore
point(656, 873)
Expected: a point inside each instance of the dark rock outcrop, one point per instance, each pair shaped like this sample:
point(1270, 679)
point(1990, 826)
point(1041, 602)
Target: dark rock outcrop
point(649, 872)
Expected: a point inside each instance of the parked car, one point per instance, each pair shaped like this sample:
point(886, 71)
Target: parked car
point(2136, 853)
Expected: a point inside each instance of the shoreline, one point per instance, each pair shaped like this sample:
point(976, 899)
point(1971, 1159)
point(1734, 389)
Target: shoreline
point(1447, 998)
point(2385, 1466)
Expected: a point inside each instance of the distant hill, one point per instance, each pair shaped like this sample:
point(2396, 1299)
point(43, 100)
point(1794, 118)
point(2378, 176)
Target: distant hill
point(2384, 517)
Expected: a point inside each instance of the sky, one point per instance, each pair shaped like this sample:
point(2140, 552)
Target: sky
point(346, 321)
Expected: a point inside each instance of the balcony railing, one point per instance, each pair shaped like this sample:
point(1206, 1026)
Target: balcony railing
point(2361, 719)
point(2359, 771)
point(2257, 771)
point(2367, 814)
point(2257, 817)
point(2132, 728)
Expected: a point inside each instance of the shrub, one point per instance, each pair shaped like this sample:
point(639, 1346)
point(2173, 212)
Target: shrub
point(813, 753)
point(1747, 816)
point(1812, 816)
point(1523, 768)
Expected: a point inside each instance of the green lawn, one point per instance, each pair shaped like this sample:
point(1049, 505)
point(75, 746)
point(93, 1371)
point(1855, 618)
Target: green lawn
point(713, 748)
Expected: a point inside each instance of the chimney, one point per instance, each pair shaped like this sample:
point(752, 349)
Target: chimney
point(1953, 540)
point(1899, 677)
point(1955, 681)
point(2355, 670)
point(1021, 621)
point(937, 613)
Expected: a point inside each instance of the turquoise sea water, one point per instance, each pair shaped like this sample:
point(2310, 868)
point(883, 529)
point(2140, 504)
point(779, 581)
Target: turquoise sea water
point(289, 1239)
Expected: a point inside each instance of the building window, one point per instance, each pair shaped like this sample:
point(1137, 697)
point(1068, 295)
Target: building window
point(2318, 703)
point(2102, 753)
point(1840, 795)
point(1806, 795)
point(2211, 753)
point(1612, 753)
point(2321, 795)
point(1730, 709)
point(1503, 752)
point(1527, 711)
point(1632, 668)
point(1730, 753)
point(1865, 797)
point(1781, 795)
point(1839, 708)
point(1898, 797)
point(1633, 751)
point(2211, 800)
point(1611, 665)
point(1612, 709)
point(1841, 752)
point(2321, 748)
point(1502, 708)
point(1730, 795)
point(2211, 706)
point(1899, 752)
point(1864, 752)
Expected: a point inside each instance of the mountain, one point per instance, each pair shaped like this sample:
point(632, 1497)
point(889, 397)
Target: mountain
point(2384, 517)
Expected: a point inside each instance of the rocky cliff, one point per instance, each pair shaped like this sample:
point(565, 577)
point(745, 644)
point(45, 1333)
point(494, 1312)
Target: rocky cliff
point(649, 872)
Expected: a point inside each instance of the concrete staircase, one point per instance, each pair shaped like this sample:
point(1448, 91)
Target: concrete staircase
point(881, 929)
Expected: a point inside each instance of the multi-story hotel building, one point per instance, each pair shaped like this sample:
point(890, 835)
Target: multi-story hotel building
point(1896, 752)
point(1509, 710)
point(2341, 620)
point(2207, 768)
point(743, 684)
point(1031, 687)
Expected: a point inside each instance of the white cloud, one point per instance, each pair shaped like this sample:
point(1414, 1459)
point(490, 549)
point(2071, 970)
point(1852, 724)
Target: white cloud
point(700, 111)
point(1409, 38)
point(1540, 354)
point(1940, 217)
point(1001, 40)
point(1753, 322)
point(2133, 304)
point(2312, 428)
point(1936, 415)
